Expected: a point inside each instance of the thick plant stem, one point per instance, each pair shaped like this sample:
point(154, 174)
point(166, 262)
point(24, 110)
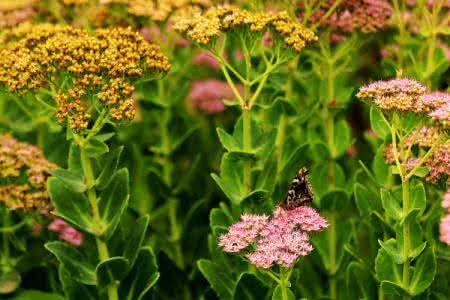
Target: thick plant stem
point(405, 199)
point(247, 145)
point(92, 197)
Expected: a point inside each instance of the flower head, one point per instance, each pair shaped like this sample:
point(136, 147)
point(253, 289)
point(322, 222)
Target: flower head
point(279, 240)
point(204, 27)
point(208, 95)
point(363, 15)
point(102, 67)
point(26, 171)
point(395, 94)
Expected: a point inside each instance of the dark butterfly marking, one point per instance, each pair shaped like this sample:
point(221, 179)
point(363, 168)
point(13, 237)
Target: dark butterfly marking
point(300, 192)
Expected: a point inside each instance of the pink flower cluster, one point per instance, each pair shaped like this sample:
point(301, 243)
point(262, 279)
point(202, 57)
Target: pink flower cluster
point(363, 15)
point(439, 106)
point(445, 221)
point(208, 95)
point(280, 239)
point(66, 232)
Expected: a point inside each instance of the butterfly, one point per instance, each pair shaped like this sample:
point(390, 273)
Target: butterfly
point(300, 192)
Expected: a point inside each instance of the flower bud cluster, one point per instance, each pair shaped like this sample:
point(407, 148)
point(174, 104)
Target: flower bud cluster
point(23, 175)
point(94, 67)
point(204, 27)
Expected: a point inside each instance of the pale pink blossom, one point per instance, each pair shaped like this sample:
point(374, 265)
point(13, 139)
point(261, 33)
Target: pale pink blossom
point(280, 240)
point(242, 233)
point(208, 95)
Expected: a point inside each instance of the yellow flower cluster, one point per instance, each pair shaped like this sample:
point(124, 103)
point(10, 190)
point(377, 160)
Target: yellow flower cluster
point(157, 10)
point(101, 66)
point(13, 12)
point(203, 27)
point(23, 175)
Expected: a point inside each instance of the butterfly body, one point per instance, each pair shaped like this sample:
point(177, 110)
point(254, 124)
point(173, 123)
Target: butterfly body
point(300, 191)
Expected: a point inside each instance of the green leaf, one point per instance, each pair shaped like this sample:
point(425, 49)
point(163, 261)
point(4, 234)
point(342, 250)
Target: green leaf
point(416, 244)
point(391, 205)
point(378, 124)
point(141, 278)
point(72, 180)
point(74, 262)
point(95, 147)
point(74, 290)
point(111, 270)
point(113, 201)
point(36, 295)
point(380, 168)
point(249, 287)
point(104, 136)
point(71, 206)
point(363, 200)
point(9, 282)
point(324, 178)
point(341, 232)
point(392, 288)
point(134, 241)
point(342, 138)
point(74, 160)
point(424, 272)
point(418, 197)
point(334, 200)
point(109, 168)
point(360, 282)
point(394, 250)
point(220, 281)
point(228, 141)
point(230, 180)
point(282, 294)
point(387, 271)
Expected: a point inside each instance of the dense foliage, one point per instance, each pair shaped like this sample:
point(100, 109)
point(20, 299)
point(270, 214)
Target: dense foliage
point(148, 149)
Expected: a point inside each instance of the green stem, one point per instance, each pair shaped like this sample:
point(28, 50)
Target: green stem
point(6, 250)
point(93, 201)
point(247, 147)
point(406, 275)
point(284, 283)
point(401, 30)
point(332, 248)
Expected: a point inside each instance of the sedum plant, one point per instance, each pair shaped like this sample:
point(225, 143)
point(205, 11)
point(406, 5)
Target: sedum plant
point(90, 82)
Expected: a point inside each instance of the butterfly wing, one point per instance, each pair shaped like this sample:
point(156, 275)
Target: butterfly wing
point(300, 191)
